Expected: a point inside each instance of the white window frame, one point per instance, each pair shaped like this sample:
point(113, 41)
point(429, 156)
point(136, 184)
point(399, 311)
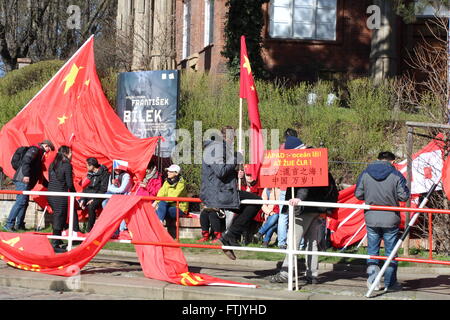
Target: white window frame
point(209, 23)
point(290, 22)
point(186, 29)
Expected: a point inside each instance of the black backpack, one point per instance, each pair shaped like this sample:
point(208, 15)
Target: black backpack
point(17, 157)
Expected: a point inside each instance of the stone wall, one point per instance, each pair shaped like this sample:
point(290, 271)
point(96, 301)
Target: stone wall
point(32, 217)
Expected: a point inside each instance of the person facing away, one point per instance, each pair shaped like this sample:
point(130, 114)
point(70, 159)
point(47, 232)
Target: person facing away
point(29, 172)
point(219, 188)
point(381, 184)
point(61, 180)
point(97, 182)
point(174, 186)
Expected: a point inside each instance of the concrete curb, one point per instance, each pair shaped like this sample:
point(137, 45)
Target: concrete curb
point(222, 260)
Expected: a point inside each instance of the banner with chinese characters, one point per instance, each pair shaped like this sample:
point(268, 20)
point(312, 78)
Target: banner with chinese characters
point(294, 168)
point(147, 102)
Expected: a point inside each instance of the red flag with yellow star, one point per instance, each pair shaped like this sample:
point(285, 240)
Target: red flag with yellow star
point(248, 91)
point(71, 109)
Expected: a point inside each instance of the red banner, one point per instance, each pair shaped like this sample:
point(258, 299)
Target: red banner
point(33, 252)
point(294, 168)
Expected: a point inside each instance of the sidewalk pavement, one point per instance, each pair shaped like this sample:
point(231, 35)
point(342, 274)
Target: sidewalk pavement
point(118, 274)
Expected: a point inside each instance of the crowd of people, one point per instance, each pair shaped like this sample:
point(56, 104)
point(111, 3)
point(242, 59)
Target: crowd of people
point(224, 219)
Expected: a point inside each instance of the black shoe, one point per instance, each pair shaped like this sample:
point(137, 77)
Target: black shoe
point(229, 253)
point(265, 244)
point(283, 246)
point(394, 288)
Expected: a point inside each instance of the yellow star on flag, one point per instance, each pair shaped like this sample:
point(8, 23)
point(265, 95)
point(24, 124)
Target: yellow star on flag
point(253, 88)
point(71, 77)
point(62, 119)
point(246, 64)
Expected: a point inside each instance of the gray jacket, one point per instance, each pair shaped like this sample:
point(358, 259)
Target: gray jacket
point(381, 184)
point(219, 177)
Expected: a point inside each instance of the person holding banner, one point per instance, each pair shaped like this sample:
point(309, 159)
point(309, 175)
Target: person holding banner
point(219, 189)
point(381, 184)
point(307, 221)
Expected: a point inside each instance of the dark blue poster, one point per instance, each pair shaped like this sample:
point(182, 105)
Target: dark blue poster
point(147, 102)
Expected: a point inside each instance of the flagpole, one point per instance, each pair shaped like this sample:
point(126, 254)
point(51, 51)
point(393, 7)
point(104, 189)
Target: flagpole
point(57, 73)
point(240, 135)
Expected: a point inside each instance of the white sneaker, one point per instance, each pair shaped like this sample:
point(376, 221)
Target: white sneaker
point(369, 285)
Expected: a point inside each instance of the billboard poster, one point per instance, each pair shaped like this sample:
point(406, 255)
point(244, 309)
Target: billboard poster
point(147, 102)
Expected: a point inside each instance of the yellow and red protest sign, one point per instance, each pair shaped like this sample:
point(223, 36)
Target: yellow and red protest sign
point(294, 168)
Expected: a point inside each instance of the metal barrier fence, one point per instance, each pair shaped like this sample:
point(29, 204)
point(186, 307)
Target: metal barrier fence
point(291, 251)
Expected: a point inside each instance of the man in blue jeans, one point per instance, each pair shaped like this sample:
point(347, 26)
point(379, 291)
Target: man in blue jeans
point(27, 175)
point(381, 184)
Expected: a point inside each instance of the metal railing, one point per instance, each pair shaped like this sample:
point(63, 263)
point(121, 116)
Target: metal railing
point(291, 250)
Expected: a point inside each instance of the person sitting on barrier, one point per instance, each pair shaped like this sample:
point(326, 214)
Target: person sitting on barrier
point(307, 224)
point(174, 186)
point(97, 182)
point(28, 163)
point(219, 188)
point(152, 182)
point(381, 184)
point(271, 214)
point(61, 180)
point(119, 183)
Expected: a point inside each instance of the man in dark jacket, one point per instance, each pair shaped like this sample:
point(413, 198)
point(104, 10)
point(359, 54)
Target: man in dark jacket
point(307, 221)
point(98, 176)
point(27, 175)
point(219, 189)
point(381, 184)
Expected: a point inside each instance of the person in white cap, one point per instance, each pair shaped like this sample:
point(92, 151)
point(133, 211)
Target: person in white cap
point(174, 186)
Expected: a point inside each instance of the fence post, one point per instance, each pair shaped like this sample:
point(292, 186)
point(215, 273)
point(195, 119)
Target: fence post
point(409, 142)
point(430, 235)
point(291, 247)
point(71, 212)
point(177, 223)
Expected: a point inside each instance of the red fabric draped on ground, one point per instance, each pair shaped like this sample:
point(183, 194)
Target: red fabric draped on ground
point(33, 252)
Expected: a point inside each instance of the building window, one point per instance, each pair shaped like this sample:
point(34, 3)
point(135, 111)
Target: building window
point(186, 28)
point(303, 19)
point(209, 22)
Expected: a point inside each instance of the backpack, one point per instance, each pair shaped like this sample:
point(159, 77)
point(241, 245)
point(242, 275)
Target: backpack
point(17, 157)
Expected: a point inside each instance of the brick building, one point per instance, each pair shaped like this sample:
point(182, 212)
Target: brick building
point(302, 39)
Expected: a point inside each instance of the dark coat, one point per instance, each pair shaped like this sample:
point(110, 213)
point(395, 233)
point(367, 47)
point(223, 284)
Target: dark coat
point(219, 177)
point(61, 179)
point(99, 181)
point(315, 194)
point(32, 167)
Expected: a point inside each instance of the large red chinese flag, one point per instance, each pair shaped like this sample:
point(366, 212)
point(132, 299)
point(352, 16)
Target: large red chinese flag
point(248, 91)
point(72, 110)
point(446, 177)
